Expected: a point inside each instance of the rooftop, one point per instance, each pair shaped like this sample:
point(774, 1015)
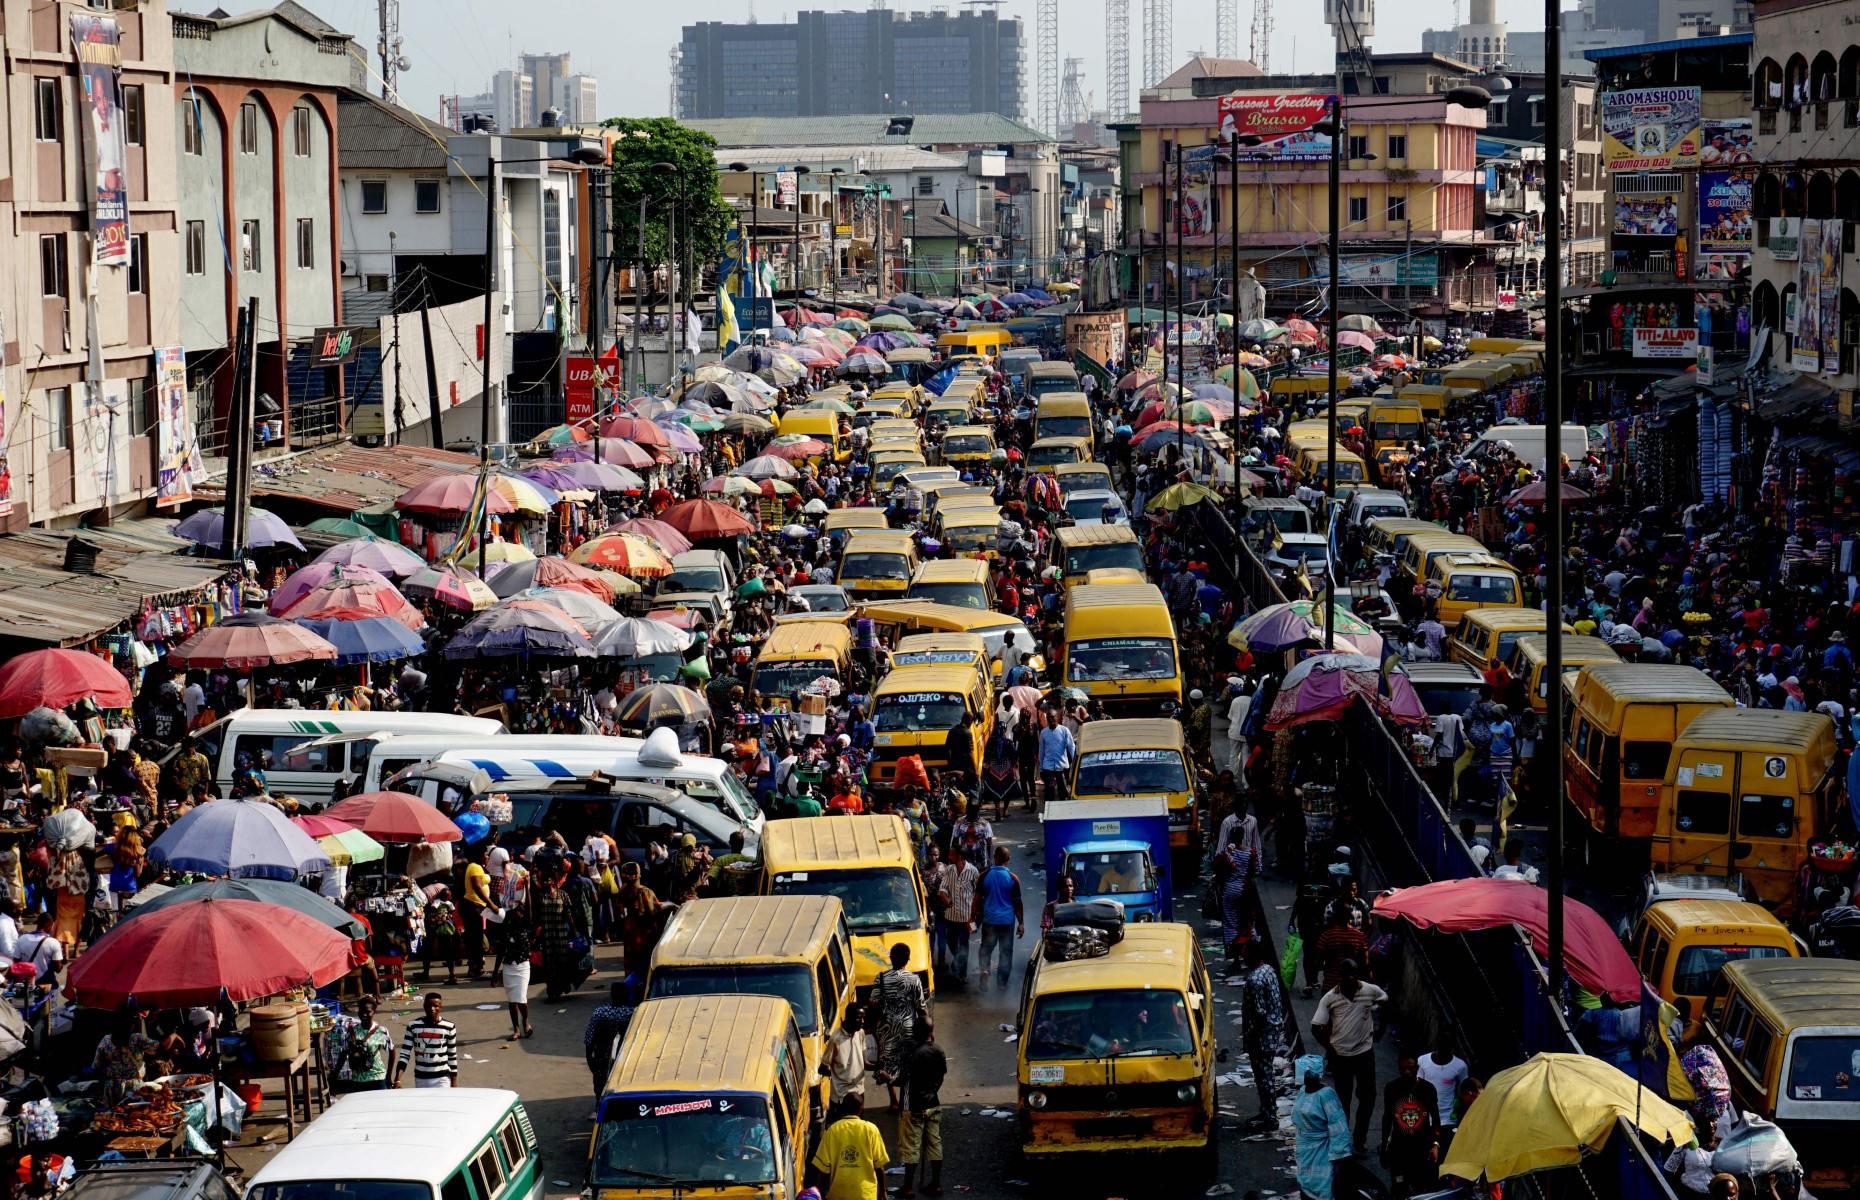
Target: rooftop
point(43, 604)
point(941, 225)
point(1700, 43)
point(870, 129)
point(347, 478)
point(1207, 66)
point(378, 136)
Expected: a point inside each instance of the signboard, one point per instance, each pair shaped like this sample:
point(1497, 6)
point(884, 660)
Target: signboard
point(1805, 351)
point(1705, 361)
point(1651, 129)
point(334, 347)
point(1724, 212)
point(1785, 234)
point(1666, 343)
point(1099, 336)
point(1281, 121)
point(578, 387)
point(787, 185)
point(1415, 270)
point(177, 450)
point(1831, 296)
point(1647, 216)
point(1726, 142)
point(100, 63)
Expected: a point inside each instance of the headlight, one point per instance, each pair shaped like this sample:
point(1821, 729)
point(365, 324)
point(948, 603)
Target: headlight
point(1036, 1100)
point(1187, 1092)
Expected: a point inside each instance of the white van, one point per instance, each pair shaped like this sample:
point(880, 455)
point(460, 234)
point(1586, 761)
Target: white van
point(656, 759)
point(410, 1144)
point(268, 735)
point(392, 755)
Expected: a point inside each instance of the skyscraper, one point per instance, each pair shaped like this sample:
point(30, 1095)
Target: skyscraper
point(868, 61)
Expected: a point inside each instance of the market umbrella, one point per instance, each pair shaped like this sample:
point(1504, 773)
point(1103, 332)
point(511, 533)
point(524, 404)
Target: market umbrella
point(259, 891)
point(746, 423)
point(669, 540)
point(1279, 627)
point(304, 580)
point(1554, 1110)
point(319, 825)
point(731, 485)
point(852, 324)
point(1212, 391)
point(206, 951)
point(714, 392)
point(863, 362)
point(351, 847)
point(602, 477)
point(638, 430)
point(395, 817)
point(562, 435)
point(612, 450)
point(1204, 412)
point(832, 404)
point(631, 554)
point(799, 449)
point(263, 528)
point(499, 551)
point(893, 322)
point(68, 829)
point(1324, 686)
point(366, 639)
point(450, 586)
point(390, 558)
point(1358, 323)
point(1302, 330)
point(238, 838)
point(56, 678)
point(552, 476)
point(342, 527)
point(551, 572)
point(766, 466)
point(505, 631)
point(1356, 338)
point(449, 495)
point(640, 637)
point(1181, 495)
point(1134, 380)
point(249, 640)
point(661, 704)
point(680, 439)
point(585, 609)
point(1533, 493)
point(347, 598)
point(706, 520)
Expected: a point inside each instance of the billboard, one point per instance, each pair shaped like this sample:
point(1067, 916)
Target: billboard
point(1726, 142)
point(1805, 352)
point(100, 63)
point(1652, 215)
point(1651, 129)
point(1281, 121)
point(1416, 270)
point(1724, 212)
point(178, 450)
point(1785, 235)
point(1666, 342)
point(1099, 336)
point(1830, 265)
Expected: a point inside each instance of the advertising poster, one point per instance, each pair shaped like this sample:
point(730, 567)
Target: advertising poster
point(1282, 122)
point(1726, 142)
point(1647, 216)
point(100, 61)
point(578, 387)
point(175, 443)
point(1651, 129)
point(1724, 212)
point(1419, 270)
point(1099, 336)
point(1830, 298)
point(1666, 342)
point(1785, 236)
point(1805, 353)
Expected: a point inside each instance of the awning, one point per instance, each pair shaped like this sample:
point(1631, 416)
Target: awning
point(42, 604)
point(1796, 399)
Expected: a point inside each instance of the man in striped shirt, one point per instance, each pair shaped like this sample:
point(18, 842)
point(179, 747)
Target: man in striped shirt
point(431, 1043)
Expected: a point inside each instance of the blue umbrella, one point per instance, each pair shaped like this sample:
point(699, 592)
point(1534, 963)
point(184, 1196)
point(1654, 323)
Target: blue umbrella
point(239, 838)
point(265, 891)
point(501, 632)
point(263, 528)
point(366, 640)
point(1040, 294)
point(1017, 299)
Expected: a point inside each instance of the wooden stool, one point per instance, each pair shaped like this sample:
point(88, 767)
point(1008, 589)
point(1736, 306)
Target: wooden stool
point(390, 971)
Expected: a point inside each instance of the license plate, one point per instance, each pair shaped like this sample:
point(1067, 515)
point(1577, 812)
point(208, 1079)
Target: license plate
point(1046, 1075)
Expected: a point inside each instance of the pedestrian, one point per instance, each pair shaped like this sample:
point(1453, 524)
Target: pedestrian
point(1340, 940)
point(844, 1063)
point(638, 919)
point(1235, 868)
point(431, 1044)
point(563, 930)
point(920, 1124)
point(974, 834)
point(475, 899)
point(960, 878)
point(1410, 1130)
point(1345, 1024)
point(1002, 919)
point(1057, 748)
point(360, 1048)
point(607, 1024)
point(1262, 1028)
point(1321, 1131)
point(1444, 1069)
point(513, 963)
point(850, 1160)
point(898, 995)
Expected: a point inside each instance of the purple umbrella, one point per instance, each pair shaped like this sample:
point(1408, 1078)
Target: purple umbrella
point(883, 342)
point(389, 558)
point(239, 839)
point(367, 639)
point(681, 439)
point(601, 477)
point(262, 529)
point(304, 580)
point(503, 632)
point(552, 477)
point(1323, 687)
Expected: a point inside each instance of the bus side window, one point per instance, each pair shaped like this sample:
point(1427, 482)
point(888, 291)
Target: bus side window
point(512, 1140)
point(784, 1127)
point(829, 995)
point(455, 1187)
point(486, 1173)
point(1757, 1045)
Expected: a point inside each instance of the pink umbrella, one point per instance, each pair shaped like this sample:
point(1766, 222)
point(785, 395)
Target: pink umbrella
point(1357, 338)
point(616, 451)
point(1324, 686)
point(303, 580)
point(805, 448)
point(345, 598)
point(449, 495)
point(681, 439)
point(319, 825)
point(635, 429)
point(669, 539)
point(389, 558)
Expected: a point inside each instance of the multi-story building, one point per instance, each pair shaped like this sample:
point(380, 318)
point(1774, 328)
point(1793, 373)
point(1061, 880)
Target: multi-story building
point(519, 98)
point(874, 60)
point(1514, 204)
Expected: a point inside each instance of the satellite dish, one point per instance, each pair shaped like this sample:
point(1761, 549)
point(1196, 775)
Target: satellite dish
point(403, 63)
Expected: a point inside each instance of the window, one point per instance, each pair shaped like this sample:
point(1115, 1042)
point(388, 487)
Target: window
point(191, 134)
point(58, 414)
point(512, 1140)
point(1358, 146)
point(1495, 112)
point(54, 266)
point(300, 132)
point(375, 283)
point(1398, 208)
point(306, 243)
point(1537, 112)
point(48, 113)
point(1645, 760)
point(1756, 1049)
point(1398, 145)
point(486, 1173)
point(251, 253)
point(455, 1188)
point(374, 195)
point(248, 127)
point(426, 195)
point(196, 247)
point(1359, 209)
point(926, 185)
point(133, 108)
point(138, 276)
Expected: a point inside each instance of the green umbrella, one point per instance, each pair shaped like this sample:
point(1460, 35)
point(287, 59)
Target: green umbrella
point(893, 322)
point(341, 526)
point(359, 847)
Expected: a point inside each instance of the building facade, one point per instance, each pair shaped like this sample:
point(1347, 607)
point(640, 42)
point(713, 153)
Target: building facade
point(875, 60)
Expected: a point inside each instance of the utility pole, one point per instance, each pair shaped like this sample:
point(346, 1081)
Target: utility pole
point(433, 403)
point(639, 287)
point(671, 297)
point(237, 511)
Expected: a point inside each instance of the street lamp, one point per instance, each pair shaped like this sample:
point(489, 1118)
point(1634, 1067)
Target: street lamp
point(833, 232)
point(671, 276)
point(1233, 156)
point(799, 171)
point(1337, 127)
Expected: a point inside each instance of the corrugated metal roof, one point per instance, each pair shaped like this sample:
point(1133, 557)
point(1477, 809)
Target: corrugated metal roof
point(43, 604)
point(377, 136)
point(347, 478)
point(1703, 43)
point(868, 129)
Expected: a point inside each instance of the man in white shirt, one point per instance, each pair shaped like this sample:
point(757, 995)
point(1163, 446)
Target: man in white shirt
point(495, 860)
point(1446, 1071)
point(193, 699)
point(1345, 1025)
point(45, 952)
point(1236, 720)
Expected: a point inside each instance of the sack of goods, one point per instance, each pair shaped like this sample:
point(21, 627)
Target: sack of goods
point(1105, 915)
point(1085, 929)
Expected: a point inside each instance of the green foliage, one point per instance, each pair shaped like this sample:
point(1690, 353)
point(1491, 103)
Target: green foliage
point(703, 219)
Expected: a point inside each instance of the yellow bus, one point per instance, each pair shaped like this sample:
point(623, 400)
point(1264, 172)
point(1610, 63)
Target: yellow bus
point(1077, 549)
point(797, 653)
point(915, 709)
point(1062, 414)
point(877, 562)
point(1140, 756)
point(1120, 648)
point(1047, 453)
point(963, 582)
point(1624, 720)
point(1527, 661)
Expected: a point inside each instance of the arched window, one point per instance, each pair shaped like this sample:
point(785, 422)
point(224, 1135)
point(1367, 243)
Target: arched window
point(1820, 195)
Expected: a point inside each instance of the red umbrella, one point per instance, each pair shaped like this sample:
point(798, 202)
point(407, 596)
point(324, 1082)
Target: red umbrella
point(56, 678)
point(1152, 413)
point(637, 430)
point(702, 520)
point(395, 817)
point(317, 825)
point(449, 495)
point(670, 540)
point(347, 599)
point(1596, 959)
point(251, 640)
point(1533, 493)
point(188, 954)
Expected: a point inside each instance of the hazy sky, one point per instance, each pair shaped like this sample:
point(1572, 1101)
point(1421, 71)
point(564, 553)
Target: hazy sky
point(455, 45)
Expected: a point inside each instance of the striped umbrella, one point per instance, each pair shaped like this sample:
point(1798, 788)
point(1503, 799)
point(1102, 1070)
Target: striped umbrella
point(304, 580)
point(551, 572)
point(451, 587)
point(661, 704)
point(346, 599)
point(503, 552)
point(669, 541)
point(630, 554)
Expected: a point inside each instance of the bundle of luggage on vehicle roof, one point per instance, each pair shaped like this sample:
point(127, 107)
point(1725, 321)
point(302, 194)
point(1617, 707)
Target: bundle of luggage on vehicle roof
point(1084, 929)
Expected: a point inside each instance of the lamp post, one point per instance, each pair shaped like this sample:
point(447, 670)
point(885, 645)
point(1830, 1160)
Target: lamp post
point(1232, 155)
point(799, 171)
point(1551, 276)
point(833, 232)
point(1181, 342)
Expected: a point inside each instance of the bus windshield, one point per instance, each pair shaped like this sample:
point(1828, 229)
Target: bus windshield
point(1081, 559)
point(1129, 772)
point(917, 712)
point(875, 898)
point(683, 1138)
point(872, 565)
point(793, 982)
point(791, 678)
point(1126, 1023)
point(1121, 658)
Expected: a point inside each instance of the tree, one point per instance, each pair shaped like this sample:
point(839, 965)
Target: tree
point(703, 217)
